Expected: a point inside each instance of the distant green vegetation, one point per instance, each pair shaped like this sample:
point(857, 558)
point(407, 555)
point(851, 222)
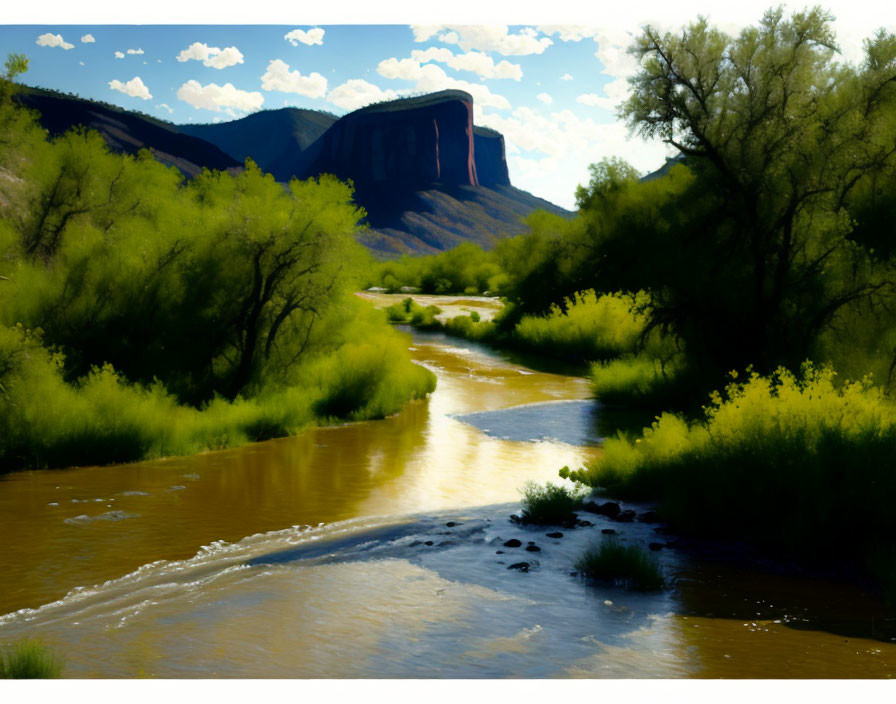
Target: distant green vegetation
point(549, 504)
point(629, 564)
point(142, 316)
point(29, 660)
point(412, 313)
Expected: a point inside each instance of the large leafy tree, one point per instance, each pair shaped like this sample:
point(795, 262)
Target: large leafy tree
point(757, 255)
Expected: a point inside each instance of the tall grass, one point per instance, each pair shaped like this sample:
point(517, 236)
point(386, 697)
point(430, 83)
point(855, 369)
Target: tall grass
point(802, 464)
point(587, 326)
point(549, 504)
point(629, 564)
point(102, 419)
point(29, 660)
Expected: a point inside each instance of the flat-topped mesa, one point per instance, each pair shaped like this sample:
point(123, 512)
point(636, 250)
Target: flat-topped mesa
point(404, 145)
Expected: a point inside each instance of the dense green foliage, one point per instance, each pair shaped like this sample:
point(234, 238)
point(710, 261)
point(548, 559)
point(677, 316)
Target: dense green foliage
point(628, 564)
point(143, 316)
point(798, 463)
point(549, 504)
point(412, 313)
point(29, 660)
point(464, 269)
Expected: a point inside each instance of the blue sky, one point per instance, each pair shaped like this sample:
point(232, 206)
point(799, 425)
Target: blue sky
point(551, 89)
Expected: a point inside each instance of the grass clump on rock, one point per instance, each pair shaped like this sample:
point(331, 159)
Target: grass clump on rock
point(29, 660)
point(549, 504)
point(629, 564)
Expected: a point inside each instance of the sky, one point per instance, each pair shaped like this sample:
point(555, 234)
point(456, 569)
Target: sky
point(551, 83)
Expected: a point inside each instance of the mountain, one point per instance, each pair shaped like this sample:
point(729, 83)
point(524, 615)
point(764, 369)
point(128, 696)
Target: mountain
point(282, 142)
point(126, 131)
point(426, 176)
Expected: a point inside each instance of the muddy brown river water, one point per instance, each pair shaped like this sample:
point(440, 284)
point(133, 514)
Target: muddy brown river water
point(330, 555)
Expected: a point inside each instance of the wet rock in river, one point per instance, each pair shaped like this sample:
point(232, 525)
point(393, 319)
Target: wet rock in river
point(512, 543)
point(521, 566)
point(610, 509)
point(556, 534)
point(649, 517)
point(584, 524)
point(626, 516)
point(451, 524)
point(533, 548)
point(428, 542)
point(608, 531)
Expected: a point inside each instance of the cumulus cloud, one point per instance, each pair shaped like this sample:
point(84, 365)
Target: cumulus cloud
point(279, 77)
point(135, 51)
point(218, 98)
point(166, 107)
point(474, 61)
point(87, 39)
point(211, 56)
point(429, 78)
point(545, 98)
point(549, 154)
point(119, 55)
point(134, 88)
point(566, 77)
point(312, 36)
point(356, 93)
point(487, 38)
point(53, 40)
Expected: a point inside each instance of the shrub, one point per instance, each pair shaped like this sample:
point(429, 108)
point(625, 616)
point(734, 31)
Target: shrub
point(549, 504)
point(797, 464)
point(29, 660)
point(629, 564)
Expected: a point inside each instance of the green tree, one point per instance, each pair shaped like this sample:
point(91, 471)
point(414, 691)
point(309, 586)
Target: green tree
point(779, 136)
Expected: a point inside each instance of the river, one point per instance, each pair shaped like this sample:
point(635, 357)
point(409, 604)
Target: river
point(372, 550)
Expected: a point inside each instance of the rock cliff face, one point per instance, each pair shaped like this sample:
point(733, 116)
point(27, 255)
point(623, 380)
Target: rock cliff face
point(405, 145)
point(491, 162)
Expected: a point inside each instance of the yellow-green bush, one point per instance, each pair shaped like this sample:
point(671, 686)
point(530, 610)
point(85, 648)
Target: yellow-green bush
point(799, 463)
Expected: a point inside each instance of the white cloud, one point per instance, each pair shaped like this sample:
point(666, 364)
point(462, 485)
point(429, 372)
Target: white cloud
point(53, 40)
point(81, 62)
point(133, 88)
point(135, 51)
point(312, 36)
point(211, 56)
point(429, 78)
point(474, 61)
point(218, 98)
point(166, 106)
point(487, 38)
point(356, 93)
point(549, 154)
point(566, 77)
point(87, 39)
point(568, 32)
point(545, 98)
point(279, 77)
point(119, 55)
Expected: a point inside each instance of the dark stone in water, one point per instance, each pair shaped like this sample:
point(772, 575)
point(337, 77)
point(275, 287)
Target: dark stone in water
point(610, 509)
point(512, 543)
point(649, 517)
point(608, 531)
point(428, 542)
point(558, 534)
point(656, 546)
point(499, 552)
point(584, 524)
point(533, 548)
point(451, 524)
point(515, 519)
point(521, 566)
point(626, 517)
point(531, 542)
